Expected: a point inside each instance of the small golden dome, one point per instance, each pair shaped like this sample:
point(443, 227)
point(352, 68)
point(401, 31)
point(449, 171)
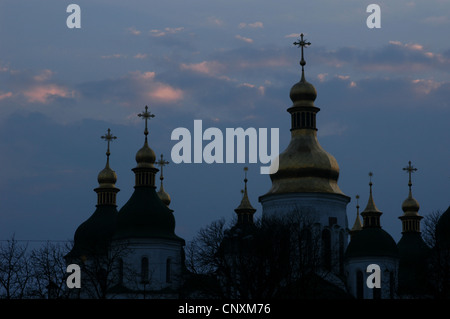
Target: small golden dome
point(303, 93)
point(145, 157)
point(165, 198)
point(410, 205)
point(107, 177)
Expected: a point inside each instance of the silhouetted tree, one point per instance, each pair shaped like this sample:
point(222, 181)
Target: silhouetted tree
point(14, 269)
point(271, 258)
point(48, 271)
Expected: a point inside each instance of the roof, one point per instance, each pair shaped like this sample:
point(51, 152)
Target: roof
point(372, 242)
point(145, 216)
point(443, 228)
point(93, 235)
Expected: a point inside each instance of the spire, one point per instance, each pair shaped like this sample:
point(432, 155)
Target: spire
point(106, 192)
point(411, 218)
point(302, 44)
point(162, 193)
point(145, 158)
point(303, 94)
point(371, 214)
point(357, 226)
point(245, 210)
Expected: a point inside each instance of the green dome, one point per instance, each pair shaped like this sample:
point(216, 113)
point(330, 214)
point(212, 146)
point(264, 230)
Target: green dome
point(145, 216)
point(372, 242)
point(92, 237)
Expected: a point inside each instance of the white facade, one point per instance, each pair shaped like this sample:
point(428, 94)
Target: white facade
point(356, 274)
point(149, 267)
point(327, 213)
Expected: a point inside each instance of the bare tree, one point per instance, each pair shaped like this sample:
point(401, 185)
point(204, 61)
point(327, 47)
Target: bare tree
point(14, 269)
point(48, 271)
point(273, 257)
point(439, 272)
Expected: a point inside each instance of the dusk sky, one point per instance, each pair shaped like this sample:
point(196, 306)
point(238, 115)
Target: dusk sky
point(384, 96)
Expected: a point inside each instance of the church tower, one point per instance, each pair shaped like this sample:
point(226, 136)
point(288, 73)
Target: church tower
point(306, 180)
point(153, 258)
point(414, 253)
point(371, 245)
point(92, 238)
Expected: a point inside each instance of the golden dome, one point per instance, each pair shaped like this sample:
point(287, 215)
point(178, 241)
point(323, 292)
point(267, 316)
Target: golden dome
point(305, 167)
point(107, 177)
point(145, 157)
point(165, 198)
point(303, 93)
point(410, 205)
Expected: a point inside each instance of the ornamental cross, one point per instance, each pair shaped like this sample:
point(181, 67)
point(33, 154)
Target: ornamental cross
point(146, 115)
point(108, 137)
point(162, 163)
point(410, 169)
point(302, 43)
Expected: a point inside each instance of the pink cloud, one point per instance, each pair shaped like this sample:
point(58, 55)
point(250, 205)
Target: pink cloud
point(248, 40)
point(143, 75)
point(42, 93)
point(133, 31)
point(165, 93)
point(5, 95)
point(205, 67)
point(44, 76)
point(161, 33)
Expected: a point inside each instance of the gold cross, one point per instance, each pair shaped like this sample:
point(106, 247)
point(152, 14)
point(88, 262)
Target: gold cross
point(301, 44)
point(410, 169)
point(162, 163)
point(146, 115)
point(108, 137)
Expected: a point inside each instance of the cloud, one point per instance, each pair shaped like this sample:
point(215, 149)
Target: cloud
point(132, 30)
point(425, 86)
point(113, 56)
point(140, 56)
point(251, 25)
point(436, 20)
point(133, 88)
point(165, 93)
point(45, 93)
point(211, 68)
point(43, 76)
point(248, 40)
point(215, 21)
point(292, 35)
point(5, 95)
point(166, 31)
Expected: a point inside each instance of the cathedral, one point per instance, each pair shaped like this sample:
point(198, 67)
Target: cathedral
point(134, 252)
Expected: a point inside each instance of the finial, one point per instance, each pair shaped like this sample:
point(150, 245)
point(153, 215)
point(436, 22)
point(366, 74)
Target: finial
point(245, 179)
point(370, 181)
point(146, 115)
point(301, 44)
point(357, 203)
point(410, 169)
point(161, 163)
point(108, 137)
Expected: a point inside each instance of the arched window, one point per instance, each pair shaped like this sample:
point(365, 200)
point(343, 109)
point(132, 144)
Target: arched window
point(144, 269)
point(359, 285)
point(326, 249)
point(168, 270)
